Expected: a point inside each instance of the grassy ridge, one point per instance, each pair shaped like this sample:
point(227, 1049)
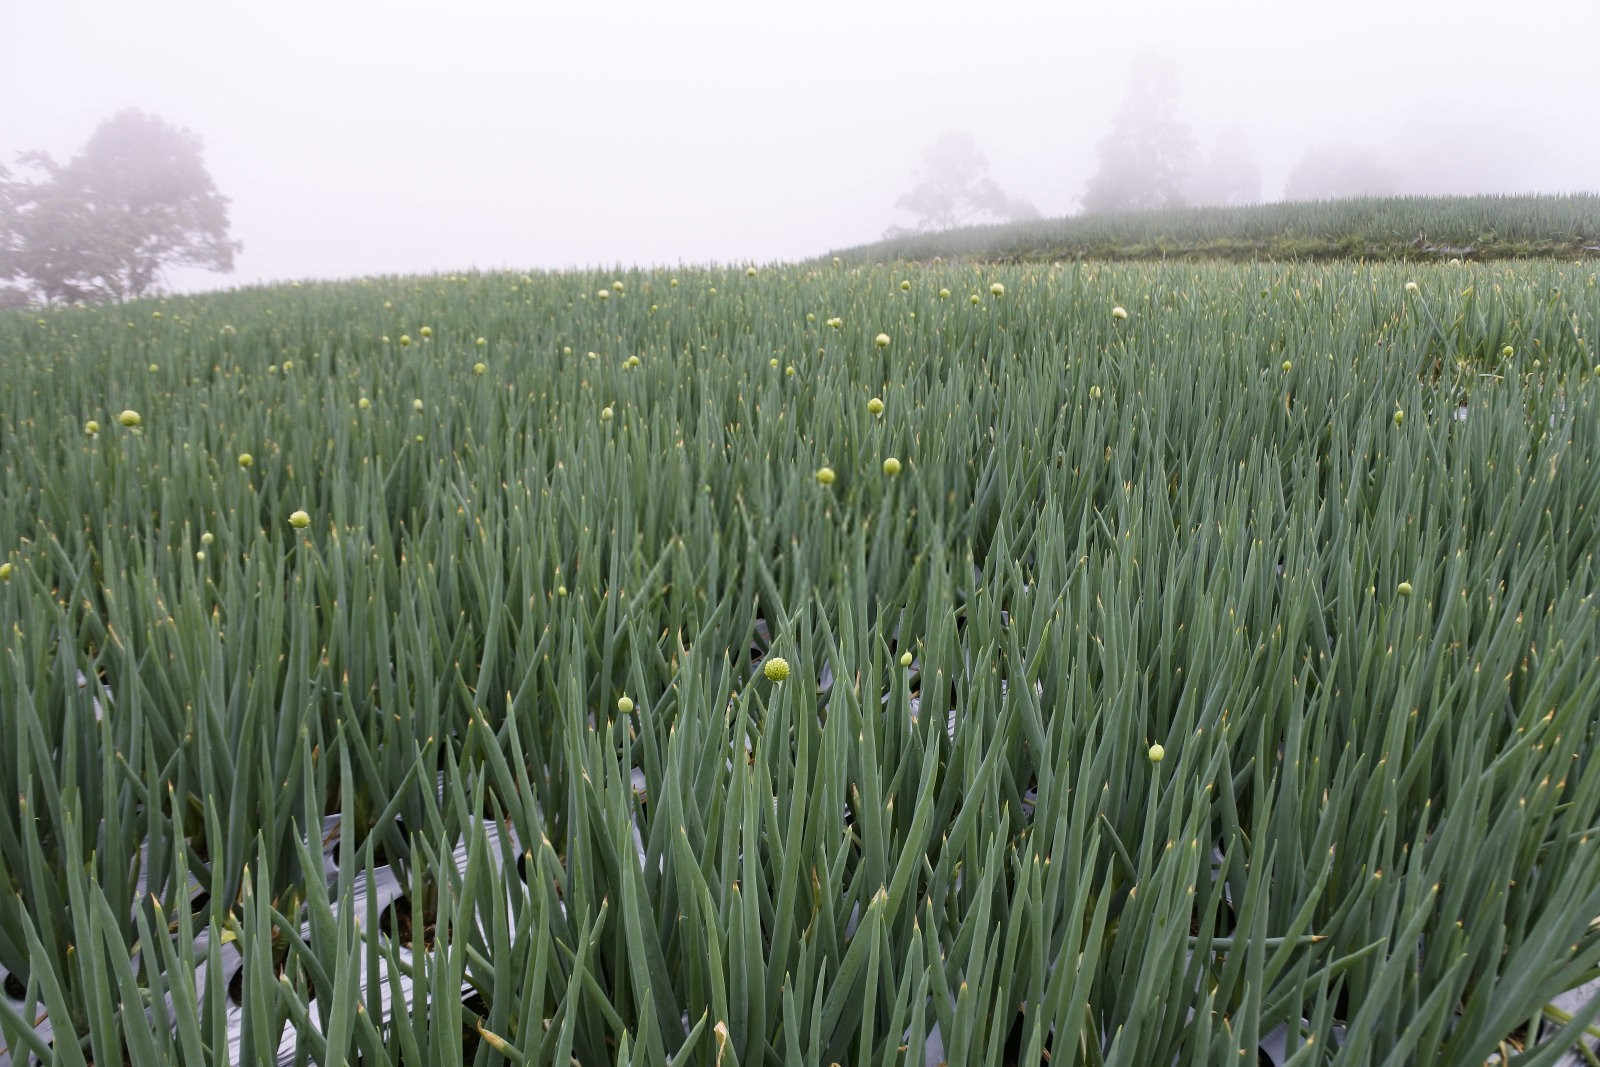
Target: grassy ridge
point(1330, 542)
point(1399, 228)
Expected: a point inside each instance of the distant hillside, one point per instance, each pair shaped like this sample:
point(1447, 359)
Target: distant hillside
point(1389, 228)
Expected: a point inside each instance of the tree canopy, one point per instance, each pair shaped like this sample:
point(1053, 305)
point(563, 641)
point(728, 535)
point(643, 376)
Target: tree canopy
point(134, 201)
point(1229, 176)
point(954, 189)
point(1331, 172)
point(1145, 160)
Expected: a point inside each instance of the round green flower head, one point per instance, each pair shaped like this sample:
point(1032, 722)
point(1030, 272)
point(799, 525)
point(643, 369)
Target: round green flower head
point(299, 520)
point(405, 339)
point(479, 368)
point(905, 659)
point(944, 294)
point(245, 459)
point(825, 475)
point(905, 286)
point(1507, 352)
point(1404, 589)
point(997, 289)
point(426, 332)
point(91, 427)
point(625, 704)
point(1411, 287)
point(480, 342)
point(130, 418)
point(5, 572)
point(1399, 416)
point(749, 272)
point(776, 669)
point(975, 299)
point(1119, 312)
point(606, 413)
point(882, 340)
point(1287, 366)
point(416, 404)
point(363, 403)
point(875, 406)
point(1157, 753)
point(891, 466)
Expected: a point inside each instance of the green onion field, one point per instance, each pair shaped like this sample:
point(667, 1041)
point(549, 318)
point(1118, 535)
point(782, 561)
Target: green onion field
point(1416, 228)
point(390, 670)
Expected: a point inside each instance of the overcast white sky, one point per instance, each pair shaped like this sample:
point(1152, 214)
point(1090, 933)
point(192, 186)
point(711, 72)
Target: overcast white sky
point(370, 136)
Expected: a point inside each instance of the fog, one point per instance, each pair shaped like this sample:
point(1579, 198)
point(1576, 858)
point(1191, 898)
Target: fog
point(375, 136)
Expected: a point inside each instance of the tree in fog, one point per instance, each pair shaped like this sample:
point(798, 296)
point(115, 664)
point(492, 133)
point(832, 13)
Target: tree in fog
point(1333, 172)
point(104, 226)
point(10, 296)
point(1229, 175)
point(954, 189)
point(1145, 160)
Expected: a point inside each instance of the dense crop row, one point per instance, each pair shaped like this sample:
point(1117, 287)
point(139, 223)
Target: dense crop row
point(393, 654)
point(1422, 228)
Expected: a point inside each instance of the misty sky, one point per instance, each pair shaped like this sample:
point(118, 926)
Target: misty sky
point(376, 136)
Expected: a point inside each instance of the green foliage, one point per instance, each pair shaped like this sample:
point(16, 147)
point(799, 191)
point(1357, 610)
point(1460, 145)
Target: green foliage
point(1426, 229)
point(372, 773)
